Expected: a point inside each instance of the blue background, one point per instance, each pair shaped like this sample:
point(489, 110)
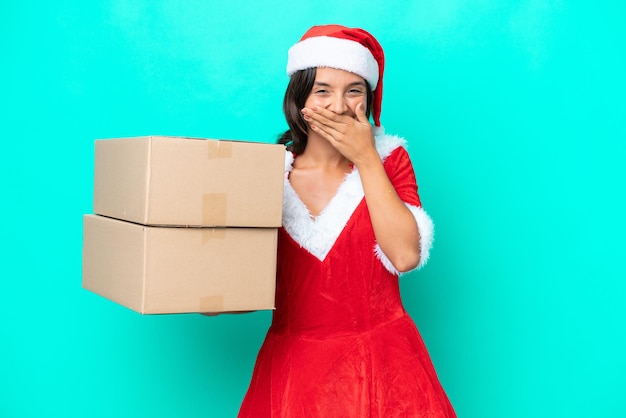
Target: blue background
point(515, 116)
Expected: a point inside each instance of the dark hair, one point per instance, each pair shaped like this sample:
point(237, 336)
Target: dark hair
point(298, 90)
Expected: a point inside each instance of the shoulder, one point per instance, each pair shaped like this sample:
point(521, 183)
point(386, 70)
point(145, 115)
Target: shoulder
point(289, 159)
point(391, 148)
point(386, 144)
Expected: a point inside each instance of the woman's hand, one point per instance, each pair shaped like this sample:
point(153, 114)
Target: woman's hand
point(351, 136)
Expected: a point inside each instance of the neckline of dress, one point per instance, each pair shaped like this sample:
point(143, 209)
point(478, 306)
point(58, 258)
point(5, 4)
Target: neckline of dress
point(332, 203)
point(319, 234)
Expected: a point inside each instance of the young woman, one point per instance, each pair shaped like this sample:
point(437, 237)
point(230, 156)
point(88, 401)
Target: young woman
point(341, 343)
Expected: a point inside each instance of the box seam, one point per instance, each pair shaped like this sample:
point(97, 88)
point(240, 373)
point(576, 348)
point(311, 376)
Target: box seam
point(144, 267)
point(148, 183)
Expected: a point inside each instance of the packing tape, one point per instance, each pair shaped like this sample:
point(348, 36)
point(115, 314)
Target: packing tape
point(211, 304)
point(209, 234)
point(214, 209)
point(220, 149)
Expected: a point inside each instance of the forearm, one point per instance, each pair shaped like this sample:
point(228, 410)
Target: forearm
point(394, 225)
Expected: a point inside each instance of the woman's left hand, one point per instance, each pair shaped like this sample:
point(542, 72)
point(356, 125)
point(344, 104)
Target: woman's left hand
point(351, 136)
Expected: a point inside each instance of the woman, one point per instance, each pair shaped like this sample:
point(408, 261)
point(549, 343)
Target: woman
point(341, 343)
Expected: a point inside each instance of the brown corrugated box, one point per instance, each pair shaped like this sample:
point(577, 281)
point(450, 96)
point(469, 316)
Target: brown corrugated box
point(196, 227)
point(176, 270)
point(174, 181)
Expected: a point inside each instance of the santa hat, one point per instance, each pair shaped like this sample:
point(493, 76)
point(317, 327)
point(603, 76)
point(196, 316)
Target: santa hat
point(348, 49)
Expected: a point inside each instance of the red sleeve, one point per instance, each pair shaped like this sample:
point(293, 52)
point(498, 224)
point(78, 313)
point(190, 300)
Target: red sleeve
point(400, 172)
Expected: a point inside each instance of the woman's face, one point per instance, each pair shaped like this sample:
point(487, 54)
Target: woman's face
point(338, 91)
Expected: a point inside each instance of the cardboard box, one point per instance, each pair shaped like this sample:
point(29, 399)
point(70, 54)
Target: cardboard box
point(178, 270)
point(174, 181)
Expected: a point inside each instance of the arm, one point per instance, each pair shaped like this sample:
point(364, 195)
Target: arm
point(395, 228)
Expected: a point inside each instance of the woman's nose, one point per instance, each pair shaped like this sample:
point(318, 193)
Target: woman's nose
point(338, 104)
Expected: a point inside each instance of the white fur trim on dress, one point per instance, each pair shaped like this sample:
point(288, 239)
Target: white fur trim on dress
point(318, 234)
point(328, 51)
point(426, 228)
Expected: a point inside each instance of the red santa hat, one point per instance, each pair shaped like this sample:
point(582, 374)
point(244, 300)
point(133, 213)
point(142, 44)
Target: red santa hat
point(348, 49)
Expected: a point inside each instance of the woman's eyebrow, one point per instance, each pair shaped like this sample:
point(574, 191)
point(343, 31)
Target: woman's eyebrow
point(355, 83)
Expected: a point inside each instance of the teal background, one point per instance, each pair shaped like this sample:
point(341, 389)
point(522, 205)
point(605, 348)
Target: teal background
point(515, 116)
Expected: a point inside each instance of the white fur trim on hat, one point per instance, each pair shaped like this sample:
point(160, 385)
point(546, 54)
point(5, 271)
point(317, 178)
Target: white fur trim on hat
point(328, 51)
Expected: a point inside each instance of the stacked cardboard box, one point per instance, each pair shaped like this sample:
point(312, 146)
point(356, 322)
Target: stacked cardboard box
point(184, 225)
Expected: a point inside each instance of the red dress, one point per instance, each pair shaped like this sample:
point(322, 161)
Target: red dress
point(341, 343)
